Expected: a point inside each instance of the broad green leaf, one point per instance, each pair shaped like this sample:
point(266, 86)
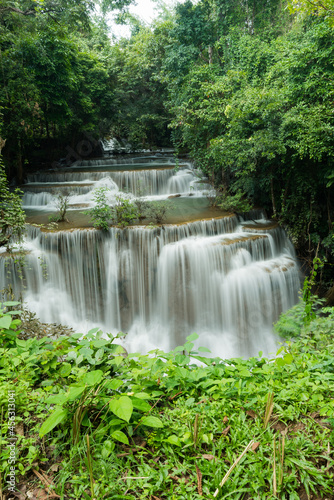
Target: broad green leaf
point(74, 392)
point(114, 384)
point(192, 337)
point(76, 336)
point(108, 447)
point(280, 362)
point(143, 395)
point(173, 439)
point(11, 303)
point(117, 361)
point(122, 407)
point(65, 369)
point(93, 378)
point(140, 404)
point(116, 421)
point(152, 422)
point(57, 399)
point(181, 359)
point(93, 330)
point(120, 436)
point(288, 359)
point(100, 342)
point(189, 346)
point(5, 321)
point(54, 419)
point(203, 349)
point(99, 354)
point(21, 343)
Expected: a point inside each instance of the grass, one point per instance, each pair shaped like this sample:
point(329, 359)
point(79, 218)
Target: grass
point(94, 423)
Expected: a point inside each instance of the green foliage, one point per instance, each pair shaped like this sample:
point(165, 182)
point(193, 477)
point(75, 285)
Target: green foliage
point(234, 203)
point(8, 324)
point(309, 282)
point(101, 213)
point(158, 211)
point(258, 120)
point(12, 219)
point(314, 7)
point(56, 84)
point(101, 411)
point(124, 211)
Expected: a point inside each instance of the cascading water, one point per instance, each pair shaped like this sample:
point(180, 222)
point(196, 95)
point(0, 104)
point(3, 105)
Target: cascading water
point(224, 279)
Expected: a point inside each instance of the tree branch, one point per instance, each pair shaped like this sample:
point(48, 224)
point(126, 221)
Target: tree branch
point(18, 11)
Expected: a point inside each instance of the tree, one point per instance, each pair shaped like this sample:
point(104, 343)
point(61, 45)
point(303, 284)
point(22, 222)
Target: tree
point(12, 217)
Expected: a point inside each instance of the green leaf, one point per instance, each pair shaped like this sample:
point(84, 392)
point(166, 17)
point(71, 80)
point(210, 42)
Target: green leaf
point(114, 384)
point(108, 447)
point(173, 439)
point(203, 349)
point(93, 378)
point(181, 359)
point(141, 405)
point(192, 337)
point(99, 354)
point(54, 419)
point(5, 321)
point(143, 395)
point(57, 399)
point(120, 436)
point(288, 359)
point(11, 303)
point(122, 407)
point(100, 342)
point(74, 392)
point(93, 330)
point(65, 369)
point(152, 422)
point(280, 362)
point(76, 336)
point(21, 343)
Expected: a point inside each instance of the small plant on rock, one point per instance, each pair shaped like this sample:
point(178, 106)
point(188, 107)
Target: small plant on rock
point(102, 213)
point(62, 206)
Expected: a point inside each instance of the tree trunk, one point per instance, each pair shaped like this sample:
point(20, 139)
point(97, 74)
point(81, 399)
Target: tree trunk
point(272, 193)
point(210, 55)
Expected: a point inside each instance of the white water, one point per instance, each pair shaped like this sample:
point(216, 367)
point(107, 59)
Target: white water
point(157, 183)
point(159, 286)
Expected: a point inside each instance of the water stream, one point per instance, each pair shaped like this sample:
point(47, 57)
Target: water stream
point(223, 277)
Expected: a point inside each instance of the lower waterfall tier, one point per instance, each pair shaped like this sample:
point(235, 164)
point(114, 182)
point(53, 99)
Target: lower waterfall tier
point(226, 282)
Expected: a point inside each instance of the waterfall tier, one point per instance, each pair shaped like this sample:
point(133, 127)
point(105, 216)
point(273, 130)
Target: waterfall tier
point(161, 284)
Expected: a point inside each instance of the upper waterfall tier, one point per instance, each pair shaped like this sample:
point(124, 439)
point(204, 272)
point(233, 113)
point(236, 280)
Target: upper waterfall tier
point(138, 179)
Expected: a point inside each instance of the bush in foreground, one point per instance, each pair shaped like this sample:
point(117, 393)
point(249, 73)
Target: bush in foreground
point(93, 422)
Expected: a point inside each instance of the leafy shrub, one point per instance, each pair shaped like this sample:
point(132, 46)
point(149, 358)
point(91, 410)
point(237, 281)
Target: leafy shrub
point(101, 214)
point(158, 211)
point(12, 216)
point(234, 203)
point(124, 211)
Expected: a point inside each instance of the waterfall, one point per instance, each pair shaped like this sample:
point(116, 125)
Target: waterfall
point(225, 277)
point(161, 284)
point(142, 182)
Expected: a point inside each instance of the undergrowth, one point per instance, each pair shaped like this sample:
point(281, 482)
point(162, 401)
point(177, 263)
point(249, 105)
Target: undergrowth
point(94, 422)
